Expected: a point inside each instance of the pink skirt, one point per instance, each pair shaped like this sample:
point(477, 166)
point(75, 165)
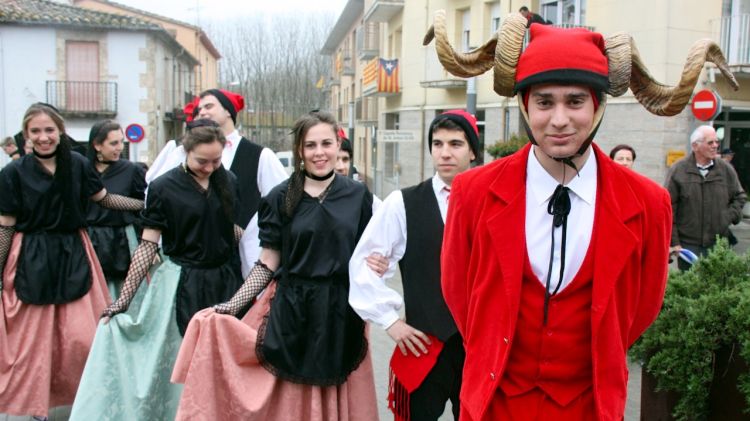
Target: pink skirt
point(224, 380)
point(43, 348)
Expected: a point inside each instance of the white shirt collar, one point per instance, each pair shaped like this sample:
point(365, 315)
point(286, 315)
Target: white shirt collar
point(542, 185)
point(234, 138)
point(438, 184)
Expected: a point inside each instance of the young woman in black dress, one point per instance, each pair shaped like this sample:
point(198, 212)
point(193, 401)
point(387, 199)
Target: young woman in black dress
point(112, 232)
point(52, 285)
point(309, 353)
point(191, 208)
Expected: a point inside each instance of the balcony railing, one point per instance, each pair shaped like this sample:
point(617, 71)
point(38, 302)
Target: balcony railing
point(366, 111)
point(348, 69)
point(83, 99)
point(368, 40)
point(734, 38)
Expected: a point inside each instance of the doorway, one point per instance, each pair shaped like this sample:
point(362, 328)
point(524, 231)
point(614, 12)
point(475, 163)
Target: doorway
point(739, 141)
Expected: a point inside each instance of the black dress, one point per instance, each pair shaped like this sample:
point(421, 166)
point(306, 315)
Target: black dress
point(198, 236)
point(52, 266)
point(311, 334)
point(106, 227)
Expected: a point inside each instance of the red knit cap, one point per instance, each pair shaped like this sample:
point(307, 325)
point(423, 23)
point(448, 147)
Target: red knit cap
point(231, 101)
point(466, 121)
point(568, 56)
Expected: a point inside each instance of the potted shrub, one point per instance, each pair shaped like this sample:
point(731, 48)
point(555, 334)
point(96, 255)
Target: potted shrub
point(698, 346)
point(500, 149)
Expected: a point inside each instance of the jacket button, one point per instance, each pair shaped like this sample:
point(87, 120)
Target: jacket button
point(505, 340)
point(492, 376)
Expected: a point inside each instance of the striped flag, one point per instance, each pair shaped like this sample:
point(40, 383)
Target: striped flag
point(388, 76)
point(370, 72)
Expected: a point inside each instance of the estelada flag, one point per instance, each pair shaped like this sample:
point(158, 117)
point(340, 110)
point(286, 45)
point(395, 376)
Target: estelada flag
point(388, 76)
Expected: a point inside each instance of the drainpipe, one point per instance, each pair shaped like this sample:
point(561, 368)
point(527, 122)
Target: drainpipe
point(422, 134)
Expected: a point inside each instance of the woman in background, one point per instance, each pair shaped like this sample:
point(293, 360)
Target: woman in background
point(112, 232)
point(623, 155)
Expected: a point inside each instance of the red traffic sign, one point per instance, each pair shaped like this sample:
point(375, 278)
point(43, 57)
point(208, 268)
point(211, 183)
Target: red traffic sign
point(706, 105)
point(135, 133)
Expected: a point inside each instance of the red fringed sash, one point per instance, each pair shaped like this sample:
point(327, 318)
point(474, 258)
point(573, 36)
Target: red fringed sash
point(406, 374)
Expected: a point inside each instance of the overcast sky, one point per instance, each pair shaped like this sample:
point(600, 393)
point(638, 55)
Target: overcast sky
point(205, 11)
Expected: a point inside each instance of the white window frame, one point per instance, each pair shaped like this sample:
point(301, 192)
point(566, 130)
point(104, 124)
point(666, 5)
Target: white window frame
point(466, 29)
point(495, 17)
point(557, 19)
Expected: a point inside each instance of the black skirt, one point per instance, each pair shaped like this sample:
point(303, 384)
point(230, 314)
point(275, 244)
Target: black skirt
point(52, 268)
point(311, 334)
point(202, 287)
point(111, 245)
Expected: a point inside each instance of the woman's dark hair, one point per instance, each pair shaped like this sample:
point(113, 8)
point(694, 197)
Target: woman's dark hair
point(98, 135)
point(618, 148)
point(204, 132)
point(63, 178)
point(299, 132)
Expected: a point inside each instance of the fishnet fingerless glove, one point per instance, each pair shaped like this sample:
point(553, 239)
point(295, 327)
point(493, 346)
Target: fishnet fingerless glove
point(139, 265)
point(238, 234)
point(6, 237)
point(121, 203)
point(259, 277)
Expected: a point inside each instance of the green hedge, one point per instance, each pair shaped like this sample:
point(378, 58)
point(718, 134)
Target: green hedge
point(705, 308)
point(509, 147)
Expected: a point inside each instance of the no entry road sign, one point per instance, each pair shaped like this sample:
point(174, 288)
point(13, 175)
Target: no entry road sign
point(706, 105)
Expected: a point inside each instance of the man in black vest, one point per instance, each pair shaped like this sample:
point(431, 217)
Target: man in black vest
point(426, 366)
point(258, 170)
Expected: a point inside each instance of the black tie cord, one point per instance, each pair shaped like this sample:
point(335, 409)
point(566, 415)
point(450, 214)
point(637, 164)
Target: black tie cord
point(559, 208)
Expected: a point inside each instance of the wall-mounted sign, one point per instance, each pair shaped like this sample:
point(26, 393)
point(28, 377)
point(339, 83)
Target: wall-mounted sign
point(401, 136)
point(674, 155)
point(135, 133)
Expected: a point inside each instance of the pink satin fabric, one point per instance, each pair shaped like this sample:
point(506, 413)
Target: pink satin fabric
point(43, 348)
point(223, 379)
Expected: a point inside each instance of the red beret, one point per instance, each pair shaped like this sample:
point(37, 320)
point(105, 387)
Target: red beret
point(568, 56)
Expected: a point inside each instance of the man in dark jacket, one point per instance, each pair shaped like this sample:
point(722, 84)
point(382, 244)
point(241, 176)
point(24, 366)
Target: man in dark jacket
point(706, 196)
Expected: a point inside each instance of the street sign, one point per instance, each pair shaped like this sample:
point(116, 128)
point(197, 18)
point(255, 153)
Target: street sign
point(401, 136)
point(706, 105)
point(135, 133)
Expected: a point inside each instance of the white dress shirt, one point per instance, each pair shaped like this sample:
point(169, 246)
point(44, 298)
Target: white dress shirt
point(369, 296)
point(270, 174)
point(539, 188)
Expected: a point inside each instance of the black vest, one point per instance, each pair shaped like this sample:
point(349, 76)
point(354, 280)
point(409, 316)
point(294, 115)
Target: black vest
point(245, 167)
point(420, 267)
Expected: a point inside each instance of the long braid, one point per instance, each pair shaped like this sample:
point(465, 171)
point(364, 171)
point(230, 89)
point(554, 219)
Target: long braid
point(220, 182)
point(294, 192)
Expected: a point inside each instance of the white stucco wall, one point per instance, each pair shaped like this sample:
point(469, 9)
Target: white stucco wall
point(27, 61)
point(125, 68)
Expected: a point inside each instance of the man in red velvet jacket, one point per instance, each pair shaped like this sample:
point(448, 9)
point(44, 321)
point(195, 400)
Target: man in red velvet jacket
point(554, 259)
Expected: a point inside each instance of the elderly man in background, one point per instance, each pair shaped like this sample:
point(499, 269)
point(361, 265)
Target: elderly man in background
point(706, 196)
